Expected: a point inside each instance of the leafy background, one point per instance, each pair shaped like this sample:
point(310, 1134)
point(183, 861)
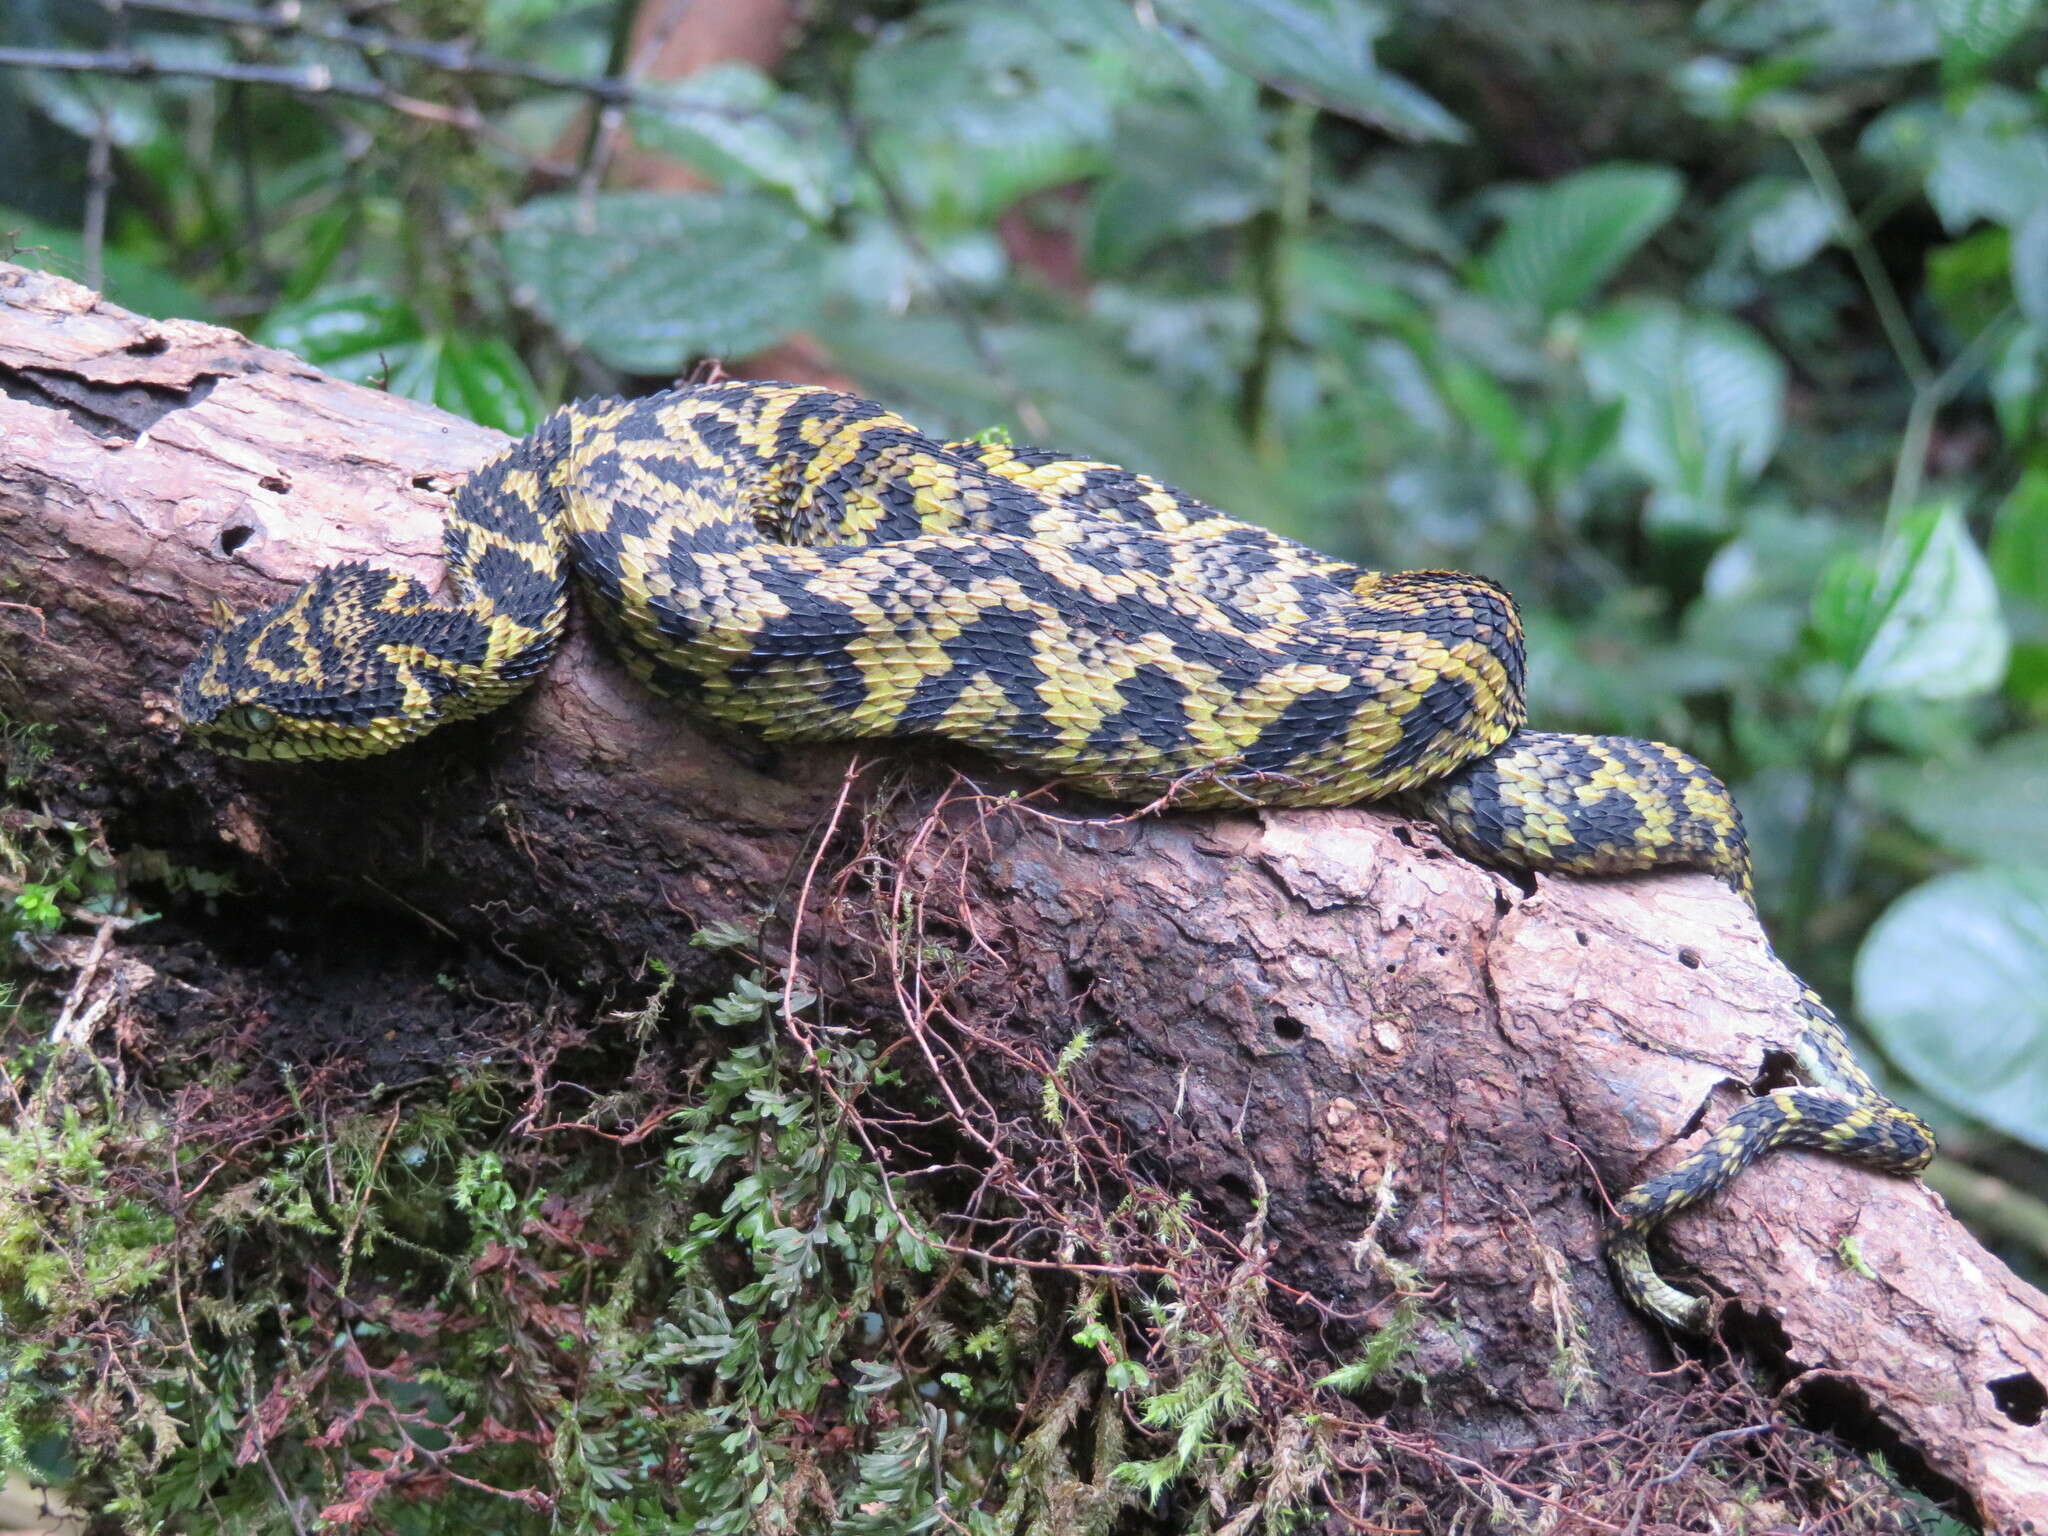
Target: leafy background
point(1719, 333)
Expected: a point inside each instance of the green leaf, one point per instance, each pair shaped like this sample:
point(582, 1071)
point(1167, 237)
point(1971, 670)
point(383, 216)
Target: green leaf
point(730, 121)
point(1824, 36)
point(1702, 400)
point(971, 107)
point(1953, 982)
point(351, 331)
point(1319, 51)
point(1979, 175)
point(481, 377)
point(1975, 33)
point(1970, 280)
point(1991, 808)
point(647, 280)
point(1923, 620)
point(1564, 240)
point(1388, 198)
point(2019, 561)
point(372, 338)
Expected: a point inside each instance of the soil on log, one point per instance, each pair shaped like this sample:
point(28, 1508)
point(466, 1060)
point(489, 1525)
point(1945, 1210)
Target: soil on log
point(1325, 1008)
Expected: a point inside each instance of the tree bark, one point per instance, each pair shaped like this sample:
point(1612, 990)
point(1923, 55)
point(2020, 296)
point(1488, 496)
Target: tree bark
point(1323, 1005)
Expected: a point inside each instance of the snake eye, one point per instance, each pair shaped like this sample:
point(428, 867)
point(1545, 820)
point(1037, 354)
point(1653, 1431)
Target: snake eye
point(254, 719)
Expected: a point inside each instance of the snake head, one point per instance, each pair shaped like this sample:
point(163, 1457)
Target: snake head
point(335, 670)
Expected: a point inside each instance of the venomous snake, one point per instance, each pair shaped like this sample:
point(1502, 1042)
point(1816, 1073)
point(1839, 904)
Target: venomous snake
point(807, 564)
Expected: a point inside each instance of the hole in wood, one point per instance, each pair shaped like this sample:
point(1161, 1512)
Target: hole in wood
point(2020, 1398)
point(1778, 1071)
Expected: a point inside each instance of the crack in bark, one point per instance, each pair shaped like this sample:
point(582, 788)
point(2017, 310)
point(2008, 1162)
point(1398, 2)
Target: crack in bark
point(120, 412)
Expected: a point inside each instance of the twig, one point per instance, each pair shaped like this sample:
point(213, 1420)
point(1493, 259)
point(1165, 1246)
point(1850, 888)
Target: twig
point(99, 185)
point(307, 79)
point(803, 895)
point(1928, 400)
point(66, 1030)
point(608, 128)
point(455, 58)
point(1692, 1454)
point(1891, 314)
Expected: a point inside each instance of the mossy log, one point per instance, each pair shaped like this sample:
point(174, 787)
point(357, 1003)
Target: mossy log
point(1324, 1005)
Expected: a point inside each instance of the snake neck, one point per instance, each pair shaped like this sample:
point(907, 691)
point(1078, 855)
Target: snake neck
point(506, 548)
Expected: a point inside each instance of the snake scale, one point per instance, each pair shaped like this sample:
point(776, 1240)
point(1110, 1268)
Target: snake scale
point(807, 564)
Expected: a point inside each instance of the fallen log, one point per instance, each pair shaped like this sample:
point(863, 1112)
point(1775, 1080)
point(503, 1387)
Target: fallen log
point(1319, 1017)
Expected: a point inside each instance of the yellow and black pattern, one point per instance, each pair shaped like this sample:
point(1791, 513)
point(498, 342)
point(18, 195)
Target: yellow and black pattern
point(808, 565)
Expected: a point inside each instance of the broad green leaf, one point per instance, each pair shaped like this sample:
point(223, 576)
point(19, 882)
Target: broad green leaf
point(1328, 277)
point(1724, 91)
point(1843, 600)
point(374, 338)
point(1923, 620)
point(1702, 400)
point(1976, 32)
point(1953, 982)
point(1977, 175)
point(1905, 138)
point(647, 280)
point(343, 330)
point(1564, 240)
point(731, 122)
point(970, 107)
point(1388, 199)
point(1319, 51)
point(1992, 808)
point(482, 378)
point(1824, 36)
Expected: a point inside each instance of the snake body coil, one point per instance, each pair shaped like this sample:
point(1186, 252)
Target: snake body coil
point(808, 565)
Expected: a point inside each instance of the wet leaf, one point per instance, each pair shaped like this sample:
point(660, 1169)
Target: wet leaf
point(1953, 982)
point(646, 280)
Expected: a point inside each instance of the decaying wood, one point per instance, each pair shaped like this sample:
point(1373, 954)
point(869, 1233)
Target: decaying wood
point(1326, 1001)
